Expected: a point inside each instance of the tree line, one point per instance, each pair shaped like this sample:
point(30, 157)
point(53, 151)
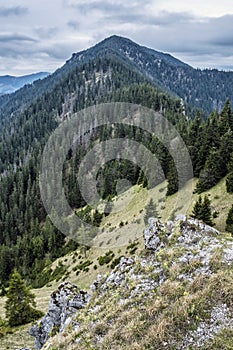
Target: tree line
point(28, 240)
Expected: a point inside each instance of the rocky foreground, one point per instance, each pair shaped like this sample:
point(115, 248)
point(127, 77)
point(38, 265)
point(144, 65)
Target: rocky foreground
point(177, 294)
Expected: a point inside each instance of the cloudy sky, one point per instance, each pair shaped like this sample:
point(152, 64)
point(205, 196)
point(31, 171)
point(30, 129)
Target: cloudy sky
point(40, 35)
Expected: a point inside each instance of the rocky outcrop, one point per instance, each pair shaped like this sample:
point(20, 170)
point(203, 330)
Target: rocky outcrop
point(64, 303)
point(116, 278)
point(151, 233)
point(220, 319)
point(177, 254)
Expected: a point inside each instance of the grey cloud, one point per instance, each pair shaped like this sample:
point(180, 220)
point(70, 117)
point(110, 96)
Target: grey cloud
point(224, 42)
point(201, 42)
point(192, 35)
point(7, 38)
point(13, 11)
point(162, 19)
point(108, 7)
point(58, 51)
point(222, 31)
point(83, 22)
point(73, 25)
point(17, 45)
point(129, 12)
point(45, 33)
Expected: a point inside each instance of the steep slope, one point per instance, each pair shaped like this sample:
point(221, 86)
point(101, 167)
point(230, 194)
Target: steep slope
point(22, 139)
point(174, 294)
point(28, 239)
point(119, 233)
point(9, 84)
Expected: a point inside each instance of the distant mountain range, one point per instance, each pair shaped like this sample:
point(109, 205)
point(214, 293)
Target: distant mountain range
point(9, 83)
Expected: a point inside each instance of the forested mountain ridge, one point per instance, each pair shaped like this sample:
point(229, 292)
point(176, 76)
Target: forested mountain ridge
point(206, 89)
point(27, 237)
point(28, 240)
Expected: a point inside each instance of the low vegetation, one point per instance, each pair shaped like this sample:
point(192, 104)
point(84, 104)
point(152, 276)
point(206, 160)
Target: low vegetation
point(167, 315)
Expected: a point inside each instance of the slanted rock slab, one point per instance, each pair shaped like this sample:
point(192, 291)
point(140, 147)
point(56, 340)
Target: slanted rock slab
point(64, 302)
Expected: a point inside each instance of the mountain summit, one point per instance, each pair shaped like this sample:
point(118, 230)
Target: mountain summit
point(204, 89)
point(126, 48)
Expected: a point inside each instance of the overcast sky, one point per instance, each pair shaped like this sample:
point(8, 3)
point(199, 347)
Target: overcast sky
point(40, 35)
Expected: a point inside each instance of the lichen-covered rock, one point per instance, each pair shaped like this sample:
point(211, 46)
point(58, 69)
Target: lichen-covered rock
point(151, 233)
point(64, 302)
point(220, 319)
point(117, 276)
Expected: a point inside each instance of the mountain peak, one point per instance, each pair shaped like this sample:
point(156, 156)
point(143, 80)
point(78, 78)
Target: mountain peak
point(125, 48)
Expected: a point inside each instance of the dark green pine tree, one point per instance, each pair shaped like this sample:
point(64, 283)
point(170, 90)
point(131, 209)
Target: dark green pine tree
point(196, 213)
point(229, 179)
point(172, 178)
point(202, 210)
point(97, 218)
point(229, 221)
point(229, 182)
point(151, 211)
point(226, 118)
point(109, 206)
point(20, 302)
point(211, 173)
point(206, 214)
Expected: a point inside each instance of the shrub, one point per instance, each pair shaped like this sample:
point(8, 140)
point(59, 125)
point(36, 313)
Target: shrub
point(105, 259)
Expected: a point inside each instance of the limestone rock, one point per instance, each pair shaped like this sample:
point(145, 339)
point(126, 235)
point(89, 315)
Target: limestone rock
point(64, 302)
point(177, 252)
point(151, 233)
point(117, 276)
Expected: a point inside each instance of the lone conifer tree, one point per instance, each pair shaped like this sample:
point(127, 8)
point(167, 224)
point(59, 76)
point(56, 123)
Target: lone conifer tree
point(229, 221)
point(206, 211)
point(197, 209)
point(229, 179)
point(202, 210)
point(20, 302)
point(151, 211)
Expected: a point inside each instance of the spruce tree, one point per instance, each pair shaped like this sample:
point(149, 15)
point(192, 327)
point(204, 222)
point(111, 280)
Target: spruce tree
point(211, 173)
point(206, 215)
point(229, 179)
point(109, 206)
point(151, 211)
point(229, 221)
point(172, 178)
point(202, 210)
point(196, 213)
point(229, 182)
point(20, 302)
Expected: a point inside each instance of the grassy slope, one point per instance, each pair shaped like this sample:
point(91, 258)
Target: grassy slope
point(117, 238)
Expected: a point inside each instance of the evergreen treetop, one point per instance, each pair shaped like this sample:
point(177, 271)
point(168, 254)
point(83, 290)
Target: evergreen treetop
point(150, 211)
point(20, 302)
point(202, 210)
